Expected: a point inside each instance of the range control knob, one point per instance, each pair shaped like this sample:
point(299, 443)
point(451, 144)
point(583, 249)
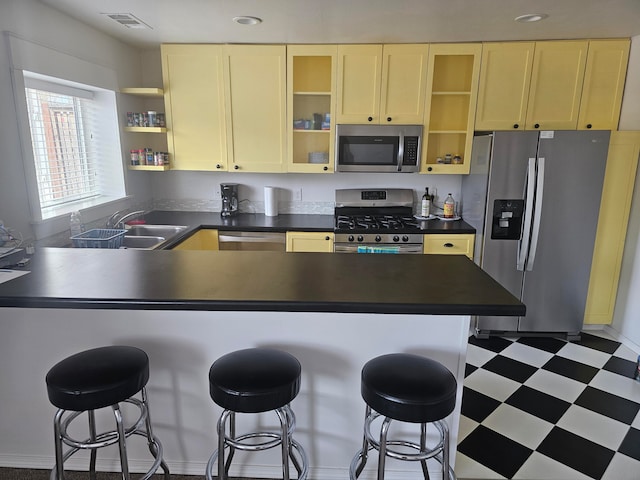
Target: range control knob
point(396, 238)
point(405, 238)
point(350, 238)
point(378, 238)
point(360, 238)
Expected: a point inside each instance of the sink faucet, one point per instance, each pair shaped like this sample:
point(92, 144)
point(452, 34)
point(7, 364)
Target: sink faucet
point(118, 219)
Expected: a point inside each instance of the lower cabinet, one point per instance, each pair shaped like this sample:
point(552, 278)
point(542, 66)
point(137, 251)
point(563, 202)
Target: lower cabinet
point(310, 241)
point(617, 193)
point(205, 239)
point(457, 244)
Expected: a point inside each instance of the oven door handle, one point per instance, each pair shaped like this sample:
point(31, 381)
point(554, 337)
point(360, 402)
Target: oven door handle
point(400, 151)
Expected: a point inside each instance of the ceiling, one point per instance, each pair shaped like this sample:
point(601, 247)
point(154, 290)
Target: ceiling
point(356, 21)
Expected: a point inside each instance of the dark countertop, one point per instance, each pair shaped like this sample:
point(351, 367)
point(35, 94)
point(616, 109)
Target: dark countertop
point(258, 281)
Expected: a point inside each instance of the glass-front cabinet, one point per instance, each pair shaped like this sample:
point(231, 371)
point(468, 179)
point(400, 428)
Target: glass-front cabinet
point(311, 84)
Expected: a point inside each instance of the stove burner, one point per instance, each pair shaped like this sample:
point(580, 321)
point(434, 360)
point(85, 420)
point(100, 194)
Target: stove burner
point(376, 222)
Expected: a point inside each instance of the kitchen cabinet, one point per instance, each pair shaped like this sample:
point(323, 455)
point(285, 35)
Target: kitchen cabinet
point(381, 84)
point(205, 239)
point(457, 244)
point(450, 106)
point(617, 193)
point(311, 85)
point(505, 76)
point(603, 86)
point(195, 106)
point(310, 241)
point(151, 96)
point(256, 114)
point(556, 85)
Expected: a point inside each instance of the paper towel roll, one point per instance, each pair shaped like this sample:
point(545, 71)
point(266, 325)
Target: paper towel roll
point(271, 201)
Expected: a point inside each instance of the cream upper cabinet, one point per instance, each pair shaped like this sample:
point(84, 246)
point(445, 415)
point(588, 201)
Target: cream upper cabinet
point(603, 84)
point(311, 86)
point(381, 83)
point(256, 115)
point(503, 91)
point(450, 106)
point(194, 106)
point(556, 85)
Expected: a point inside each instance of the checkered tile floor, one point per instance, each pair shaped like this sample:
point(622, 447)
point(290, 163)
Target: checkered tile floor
point(543, 408)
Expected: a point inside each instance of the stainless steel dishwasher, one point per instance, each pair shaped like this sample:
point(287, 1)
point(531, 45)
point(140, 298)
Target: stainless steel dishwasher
point(246, 241)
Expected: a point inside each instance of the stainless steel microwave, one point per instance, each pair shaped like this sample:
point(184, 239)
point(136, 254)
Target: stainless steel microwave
point(378, 148)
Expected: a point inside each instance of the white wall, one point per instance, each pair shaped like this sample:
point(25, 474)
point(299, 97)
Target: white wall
point(34, 22)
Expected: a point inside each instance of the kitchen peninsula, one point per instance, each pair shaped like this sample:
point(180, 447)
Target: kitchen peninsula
point(187, 308)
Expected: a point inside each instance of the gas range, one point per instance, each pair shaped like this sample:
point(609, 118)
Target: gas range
point(376, 221)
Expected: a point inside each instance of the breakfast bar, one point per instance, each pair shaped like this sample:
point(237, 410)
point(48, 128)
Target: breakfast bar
point(187, 308)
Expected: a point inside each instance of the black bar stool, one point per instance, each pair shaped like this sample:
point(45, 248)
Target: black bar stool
point(406, 388)
point(95, 379)
point(252, 381)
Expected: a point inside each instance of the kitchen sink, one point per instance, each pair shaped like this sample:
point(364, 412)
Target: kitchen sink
point(141, 241)
point(166, 231)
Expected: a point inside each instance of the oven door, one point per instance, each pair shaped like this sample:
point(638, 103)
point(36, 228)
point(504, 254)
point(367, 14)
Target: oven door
point(378, 248)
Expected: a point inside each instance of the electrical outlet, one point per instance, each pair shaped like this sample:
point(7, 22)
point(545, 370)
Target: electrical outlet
point(297, 194)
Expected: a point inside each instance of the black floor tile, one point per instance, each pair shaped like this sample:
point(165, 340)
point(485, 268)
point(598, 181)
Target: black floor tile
point(621, 366)
point(631, 444)
point(598, 343)
point(510, 368)
point(538, 404)
point(495, 451)
point(495, 344)
point(551, 345)
point(576, 452)
point(476, 405)
point(469, 369)
point(571, 369)
point(606, 403)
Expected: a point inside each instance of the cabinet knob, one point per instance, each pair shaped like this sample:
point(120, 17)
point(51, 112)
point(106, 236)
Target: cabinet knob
point(388, 119)
point(589, 125)
point(515, 125)
point(218, 166)
point(370, 119)
point(429, 169)
point(537, 125)
point(325, 168)
point(448, 245)
point(327, 238)
point(236, 167)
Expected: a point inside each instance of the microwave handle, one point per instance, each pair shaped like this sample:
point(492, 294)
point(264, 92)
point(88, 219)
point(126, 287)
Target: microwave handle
point(400, 151)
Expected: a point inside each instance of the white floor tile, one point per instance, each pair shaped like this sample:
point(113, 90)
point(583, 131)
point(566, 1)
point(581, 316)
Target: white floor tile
point(541, 467)
point(598, 428)
point(556, 385)
point(517, 425)
point(622, 468)
point(625, 352)
point(617, 384)
point(491, 384)
point(526, 354)
point(585, 355)
point(466, 427)
point(477, 356)
point(468, 469)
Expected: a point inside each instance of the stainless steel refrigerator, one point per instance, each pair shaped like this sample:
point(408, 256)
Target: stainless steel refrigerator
point(534, 199)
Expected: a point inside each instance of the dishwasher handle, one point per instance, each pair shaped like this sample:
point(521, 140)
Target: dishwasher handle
point(252, 237)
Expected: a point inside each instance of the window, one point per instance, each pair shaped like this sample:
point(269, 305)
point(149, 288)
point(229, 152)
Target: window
point(75, 142)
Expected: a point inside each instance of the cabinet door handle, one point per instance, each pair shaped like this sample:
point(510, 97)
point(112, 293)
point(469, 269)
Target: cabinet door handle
point(218, 166)
point(236, 167)
point(448, 245)
point(388, 119)
point(589, 125)
point(537, 125)
point(325, 168)
point(370, 119)
point(429, 169)
point(515, 125)
point(327, 238)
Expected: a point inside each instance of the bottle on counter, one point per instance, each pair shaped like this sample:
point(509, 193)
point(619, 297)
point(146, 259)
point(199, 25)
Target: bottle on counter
point(449, 207)
point(425, 206)
point(75, 224)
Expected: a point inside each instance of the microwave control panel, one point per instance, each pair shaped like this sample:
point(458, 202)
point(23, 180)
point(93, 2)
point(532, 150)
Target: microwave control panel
point(410, 151)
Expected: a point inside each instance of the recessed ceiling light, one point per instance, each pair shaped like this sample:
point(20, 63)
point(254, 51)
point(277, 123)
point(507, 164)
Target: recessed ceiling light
point(244, 20)
point(531, 17)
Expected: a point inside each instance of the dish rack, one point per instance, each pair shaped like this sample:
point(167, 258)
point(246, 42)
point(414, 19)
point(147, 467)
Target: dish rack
point(99, 238)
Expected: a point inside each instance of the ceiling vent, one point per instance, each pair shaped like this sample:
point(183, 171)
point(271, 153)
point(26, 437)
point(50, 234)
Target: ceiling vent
point(128, 20)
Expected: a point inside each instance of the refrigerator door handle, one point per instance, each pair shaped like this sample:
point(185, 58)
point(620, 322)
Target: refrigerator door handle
point(523, 243)
point(535, 231)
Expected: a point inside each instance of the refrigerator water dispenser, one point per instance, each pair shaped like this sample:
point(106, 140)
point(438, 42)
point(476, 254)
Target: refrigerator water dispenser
point(507, 219)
